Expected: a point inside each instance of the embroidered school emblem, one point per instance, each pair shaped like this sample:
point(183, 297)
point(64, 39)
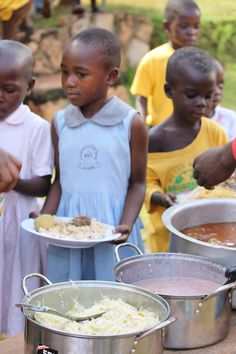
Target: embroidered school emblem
point(89, 158)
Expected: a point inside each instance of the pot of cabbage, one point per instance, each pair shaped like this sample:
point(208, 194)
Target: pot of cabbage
point(132, 322)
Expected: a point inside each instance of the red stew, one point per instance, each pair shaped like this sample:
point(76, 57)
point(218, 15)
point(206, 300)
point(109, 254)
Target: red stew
point(218, 233)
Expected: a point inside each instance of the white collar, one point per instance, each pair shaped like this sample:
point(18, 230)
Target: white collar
point(18, 116)
point(112, 113)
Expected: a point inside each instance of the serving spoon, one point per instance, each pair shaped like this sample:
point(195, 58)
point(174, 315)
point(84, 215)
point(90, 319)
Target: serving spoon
point(52, 311)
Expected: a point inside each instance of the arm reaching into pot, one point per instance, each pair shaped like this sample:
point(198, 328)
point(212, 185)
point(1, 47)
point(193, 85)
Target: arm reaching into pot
point(215, 165)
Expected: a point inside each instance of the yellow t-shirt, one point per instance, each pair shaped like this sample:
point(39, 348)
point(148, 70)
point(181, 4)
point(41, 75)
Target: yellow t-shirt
point(149, 82)
point(7, 7)
point(172, 172)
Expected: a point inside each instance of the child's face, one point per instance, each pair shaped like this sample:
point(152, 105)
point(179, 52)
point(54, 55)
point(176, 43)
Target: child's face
point(184, 29)
point(85, 79)
point(219, 85)
point(192, 95)
point(14, 86)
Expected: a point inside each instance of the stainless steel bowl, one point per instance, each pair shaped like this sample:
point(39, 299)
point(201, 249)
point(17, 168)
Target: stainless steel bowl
point(60, 295)
point(198, 212)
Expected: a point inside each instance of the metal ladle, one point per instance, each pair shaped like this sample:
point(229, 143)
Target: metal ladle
point(52, 311)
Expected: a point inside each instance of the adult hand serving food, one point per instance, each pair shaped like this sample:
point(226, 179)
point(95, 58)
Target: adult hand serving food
point(9, 171)
point(215, 165)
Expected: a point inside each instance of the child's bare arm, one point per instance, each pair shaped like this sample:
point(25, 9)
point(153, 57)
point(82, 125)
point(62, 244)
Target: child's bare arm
point(141, 104)
point(136, 190)
point(35, 187)
point(54, 194)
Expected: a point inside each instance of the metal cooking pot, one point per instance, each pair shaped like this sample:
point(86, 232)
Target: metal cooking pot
point(60, 295)
point(198, 212)
point(201, 320)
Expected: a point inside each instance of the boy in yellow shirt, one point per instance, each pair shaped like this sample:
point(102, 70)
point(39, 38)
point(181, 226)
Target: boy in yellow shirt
point(174, 144)
point(182, 25)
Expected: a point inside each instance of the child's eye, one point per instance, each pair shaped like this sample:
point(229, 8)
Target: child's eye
point(9, 89)
point(80, 74)
point(64, 71)
point(183, 25)
point(190, 95)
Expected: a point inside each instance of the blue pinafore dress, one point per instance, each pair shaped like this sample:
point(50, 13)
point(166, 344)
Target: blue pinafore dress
point(95, 167)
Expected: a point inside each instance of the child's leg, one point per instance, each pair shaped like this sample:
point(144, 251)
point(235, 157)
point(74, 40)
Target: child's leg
point(9, 28)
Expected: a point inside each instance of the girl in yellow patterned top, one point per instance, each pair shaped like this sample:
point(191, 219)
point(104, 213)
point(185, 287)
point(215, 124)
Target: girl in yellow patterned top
point(173, 145)
point(12, 13)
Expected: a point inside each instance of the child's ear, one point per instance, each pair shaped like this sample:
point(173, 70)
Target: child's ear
point(166, 26)
point(112, 76)
point(31, 84)
point(168, 90)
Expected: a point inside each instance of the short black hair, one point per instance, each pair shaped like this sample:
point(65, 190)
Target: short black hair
point(105, 41)
point(176, 7)
point(20, 54)
point(192, 57)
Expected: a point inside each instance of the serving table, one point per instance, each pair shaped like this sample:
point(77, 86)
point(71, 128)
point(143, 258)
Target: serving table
point(15, 345)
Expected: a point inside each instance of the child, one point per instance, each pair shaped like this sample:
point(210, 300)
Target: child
point(12, 13)
point(173, 145)
point(224, 116)
point(100, 153)
point(182, 25)
point(26, 136)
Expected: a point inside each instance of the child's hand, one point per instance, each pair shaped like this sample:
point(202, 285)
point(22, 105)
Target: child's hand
point(169, 200)
point(164, 200)
point(124, 230)
point(9, 171)
point(34, 214)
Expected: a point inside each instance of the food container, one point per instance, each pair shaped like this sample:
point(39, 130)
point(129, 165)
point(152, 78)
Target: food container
point(201, 320)
point(89, 292)
point(199, 212)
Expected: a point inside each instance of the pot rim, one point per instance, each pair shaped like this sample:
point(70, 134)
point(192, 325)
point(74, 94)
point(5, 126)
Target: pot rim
point(106, 284)
point(168, 255)
point(175, 209)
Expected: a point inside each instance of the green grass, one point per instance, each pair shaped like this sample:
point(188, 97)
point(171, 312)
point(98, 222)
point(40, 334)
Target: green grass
point(229, 87)
point(211, 9)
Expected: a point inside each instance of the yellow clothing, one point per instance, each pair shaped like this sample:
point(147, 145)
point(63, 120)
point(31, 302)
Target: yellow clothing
point(7, 7)
point(172, 172)
point(149, 82)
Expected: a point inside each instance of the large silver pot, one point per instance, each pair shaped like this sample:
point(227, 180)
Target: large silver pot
point(201, 321)
point(61, 294)
point(198, 212)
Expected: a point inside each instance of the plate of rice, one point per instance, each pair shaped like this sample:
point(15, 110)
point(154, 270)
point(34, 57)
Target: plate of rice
point(77, 232)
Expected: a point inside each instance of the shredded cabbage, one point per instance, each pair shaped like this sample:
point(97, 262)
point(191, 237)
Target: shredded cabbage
point(119, 318)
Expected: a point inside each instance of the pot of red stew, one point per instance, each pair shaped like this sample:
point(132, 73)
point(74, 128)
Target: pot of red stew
point(205, 227)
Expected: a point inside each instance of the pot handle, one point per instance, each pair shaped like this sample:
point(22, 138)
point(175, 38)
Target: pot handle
point(127, 244)
point(32, 275)
point(158, 326)
point(221, 289)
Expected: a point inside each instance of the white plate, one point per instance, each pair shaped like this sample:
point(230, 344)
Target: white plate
point(28, 225)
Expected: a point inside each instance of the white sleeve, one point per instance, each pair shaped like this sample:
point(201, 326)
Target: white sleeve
point(42, 151)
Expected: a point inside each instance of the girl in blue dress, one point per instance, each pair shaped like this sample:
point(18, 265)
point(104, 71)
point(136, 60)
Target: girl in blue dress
point(100, 152)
